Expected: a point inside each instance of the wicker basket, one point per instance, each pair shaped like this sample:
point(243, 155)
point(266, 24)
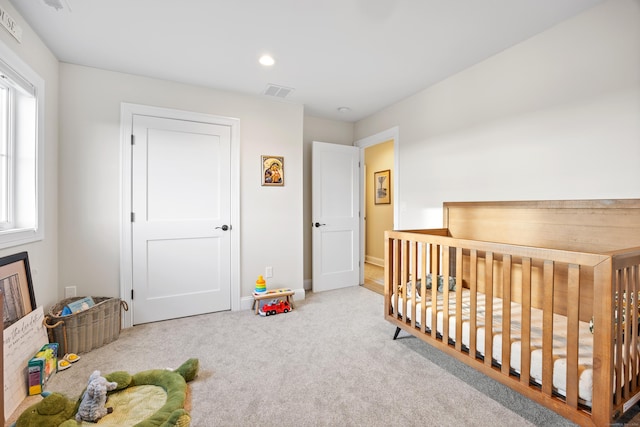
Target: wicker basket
point(88, 329)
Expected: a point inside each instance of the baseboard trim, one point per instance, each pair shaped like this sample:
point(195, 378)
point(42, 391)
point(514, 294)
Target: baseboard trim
point(375, 261)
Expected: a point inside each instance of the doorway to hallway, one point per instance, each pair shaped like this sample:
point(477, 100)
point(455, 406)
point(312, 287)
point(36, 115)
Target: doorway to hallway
point(378, 208)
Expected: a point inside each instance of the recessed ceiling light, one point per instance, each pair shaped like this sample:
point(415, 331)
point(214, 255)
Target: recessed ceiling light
point(344, 109)
point(267, 60)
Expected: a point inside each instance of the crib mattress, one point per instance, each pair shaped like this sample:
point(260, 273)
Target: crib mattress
point(585, 344)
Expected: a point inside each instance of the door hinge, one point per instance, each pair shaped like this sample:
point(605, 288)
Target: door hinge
point(133, 140)
point(132, 294)
point(133, 217)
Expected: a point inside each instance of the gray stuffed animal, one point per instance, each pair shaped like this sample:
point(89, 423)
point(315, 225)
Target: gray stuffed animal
point(92, 407)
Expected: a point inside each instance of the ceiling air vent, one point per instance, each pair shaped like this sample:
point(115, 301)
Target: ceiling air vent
point(278, 91)
point(58, 4)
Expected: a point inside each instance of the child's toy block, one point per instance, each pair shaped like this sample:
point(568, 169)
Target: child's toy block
point(41, 367)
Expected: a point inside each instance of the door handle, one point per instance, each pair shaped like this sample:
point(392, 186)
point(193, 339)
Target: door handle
point(224, 227)
point(317, 224)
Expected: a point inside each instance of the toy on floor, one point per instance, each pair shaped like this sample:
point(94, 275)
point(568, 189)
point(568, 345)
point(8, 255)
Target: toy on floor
point(40, 368)
point(92, 406)
point(67, 360)
point(56, 410)
point(261, 285)
point(274, 307)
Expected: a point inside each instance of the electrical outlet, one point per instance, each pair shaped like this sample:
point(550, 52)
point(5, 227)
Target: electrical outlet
point(69, 291)
point(268, 272)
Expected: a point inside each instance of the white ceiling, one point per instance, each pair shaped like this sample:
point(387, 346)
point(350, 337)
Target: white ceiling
point(361, 54)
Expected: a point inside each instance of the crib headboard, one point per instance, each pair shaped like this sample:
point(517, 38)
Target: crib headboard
point(575, 225)
point(595, 226)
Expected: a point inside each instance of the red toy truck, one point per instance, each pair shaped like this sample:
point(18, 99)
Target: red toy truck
point(274, 307)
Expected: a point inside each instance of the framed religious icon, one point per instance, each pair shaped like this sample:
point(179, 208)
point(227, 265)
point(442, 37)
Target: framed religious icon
point(272, 171)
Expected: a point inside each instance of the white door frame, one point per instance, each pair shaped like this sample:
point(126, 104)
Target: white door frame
point(378, 138)
point(127, 111)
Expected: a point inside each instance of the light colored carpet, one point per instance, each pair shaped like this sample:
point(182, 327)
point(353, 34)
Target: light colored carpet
point(330, 362)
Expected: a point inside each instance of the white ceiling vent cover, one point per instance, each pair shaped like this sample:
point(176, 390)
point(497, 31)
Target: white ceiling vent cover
point(278, 91)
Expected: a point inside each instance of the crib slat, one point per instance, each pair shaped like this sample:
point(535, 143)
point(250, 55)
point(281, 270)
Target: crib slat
point(488, 321)
point(618, 340)
point(624, 328)
point(445, 294)
point(525, 346)
point(506, 314)
point(633, 357)
point(398, 274)
point(428, 296)
point(628, 329)
point(434, 264)
point(435, 260)
point(404, 268)
point(459, 299)
point(413, 266)
point(393, 275)
point(423, 288)
point(573, 329)
point(473, 287)
point(547, 329)
point(388, 269)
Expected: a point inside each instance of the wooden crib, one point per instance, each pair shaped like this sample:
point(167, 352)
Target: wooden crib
point(558, 281)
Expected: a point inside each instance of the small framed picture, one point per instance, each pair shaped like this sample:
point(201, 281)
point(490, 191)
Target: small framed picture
point(15, 284)
point(382, 187)
point(272, 171)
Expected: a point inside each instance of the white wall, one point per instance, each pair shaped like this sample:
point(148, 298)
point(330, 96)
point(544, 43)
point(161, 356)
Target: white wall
point(43, 255)
point(271, 217)
point(323, 130)
point(554, 117)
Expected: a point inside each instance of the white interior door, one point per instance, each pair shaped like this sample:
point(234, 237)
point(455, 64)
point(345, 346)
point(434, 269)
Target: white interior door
point(335, 216)
point(181, 204)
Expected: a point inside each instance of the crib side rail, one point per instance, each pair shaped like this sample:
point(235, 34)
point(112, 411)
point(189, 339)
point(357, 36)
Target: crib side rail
point(485, 269)
point(620, 280)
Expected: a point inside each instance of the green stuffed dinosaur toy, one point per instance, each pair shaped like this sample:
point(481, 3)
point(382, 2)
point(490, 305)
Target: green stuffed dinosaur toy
point(56, 410)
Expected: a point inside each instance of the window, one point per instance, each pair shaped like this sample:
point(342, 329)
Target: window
point(21, 179)
point(4, 154)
